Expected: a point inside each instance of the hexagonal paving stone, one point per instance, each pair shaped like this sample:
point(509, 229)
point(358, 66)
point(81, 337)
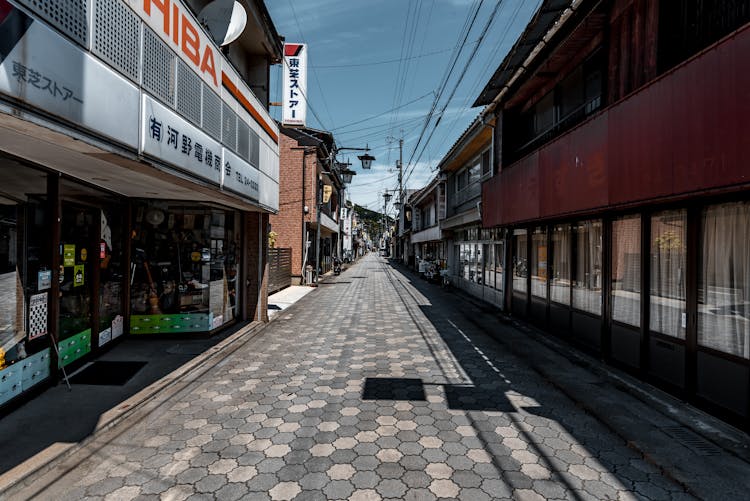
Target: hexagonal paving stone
point(391, 488)
point(222, 466)
point(389, 455)
point(341, 472)
point(479, 456)
point(430, 442)
point(444, 488)
point(285, 491)
point(322, 450)
point(439, 470)
point(365, 495)
point(345, 443)
point(338, 489)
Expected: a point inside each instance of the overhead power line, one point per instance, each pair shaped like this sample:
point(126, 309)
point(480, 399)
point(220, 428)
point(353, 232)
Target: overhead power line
point(381, 114)
point(387, 61)
point(473, 54)
point(315, 75)
point(463, 37)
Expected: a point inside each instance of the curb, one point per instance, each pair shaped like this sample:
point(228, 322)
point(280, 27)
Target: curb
point(25, 475)
point(727, 438)
point(709, 428)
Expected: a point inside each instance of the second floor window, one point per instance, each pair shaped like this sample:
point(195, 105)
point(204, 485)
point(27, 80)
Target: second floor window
point(486, 164)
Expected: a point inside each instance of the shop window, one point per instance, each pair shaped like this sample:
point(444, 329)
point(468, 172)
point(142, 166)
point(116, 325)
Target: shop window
point(561, 261)
point(626, 270)
point(539, 263)
point(520, 261)
point(498, 265)
point(489, 275)
point(111, 267)
point(457, 261)
point(486, 164)
point(478, 263)
point(185, 268)
point(25, 276)
point(463, 267)
point(587, 286)
point(668, 246)
point(724, 290)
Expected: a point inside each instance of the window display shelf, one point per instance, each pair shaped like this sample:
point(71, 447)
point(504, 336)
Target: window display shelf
point(73, 348)
point(174, 323)
point(10, 382)
point(35, 369)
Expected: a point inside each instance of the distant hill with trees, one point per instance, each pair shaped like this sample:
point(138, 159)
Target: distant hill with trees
point(371, 220)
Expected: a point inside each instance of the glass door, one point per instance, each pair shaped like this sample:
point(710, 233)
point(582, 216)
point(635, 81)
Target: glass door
point(79, 237)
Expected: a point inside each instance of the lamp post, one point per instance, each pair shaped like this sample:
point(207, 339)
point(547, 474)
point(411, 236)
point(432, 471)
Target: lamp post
point(386, 198)
point(346, 177)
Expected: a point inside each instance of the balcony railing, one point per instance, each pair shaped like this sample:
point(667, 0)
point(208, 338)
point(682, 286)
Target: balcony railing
point(566, 123)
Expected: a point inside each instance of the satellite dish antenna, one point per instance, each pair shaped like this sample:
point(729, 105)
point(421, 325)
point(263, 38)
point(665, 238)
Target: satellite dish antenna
point(224, 19)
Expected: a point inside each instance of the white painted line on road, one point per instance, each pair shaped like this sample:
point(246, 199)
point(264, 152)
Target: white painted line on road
point(480, 352)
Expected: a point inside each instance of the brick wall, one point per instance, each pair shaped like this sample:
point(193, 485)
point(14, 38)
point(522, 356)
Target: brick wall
point(288, 223)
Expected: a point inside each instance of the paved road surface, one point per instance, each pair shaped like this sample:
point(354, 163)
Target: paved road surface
point(367, 389)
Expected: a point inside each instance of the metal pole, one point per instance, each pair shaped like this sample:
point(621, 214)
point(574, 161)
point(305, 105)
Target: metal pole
point(399, 250)
point(317, 235)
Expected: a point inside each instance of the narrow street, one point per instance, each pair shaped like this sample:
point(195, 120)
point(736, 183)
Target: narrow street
point(375, 386)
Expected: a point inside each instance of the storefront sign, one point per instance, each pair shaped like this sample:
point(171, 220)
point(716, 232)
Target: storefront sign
point(84, 254)
point(43, 69)
point(44, 280)
point(239, 176)
point(69, 255)
point(78, 275)
point(168, 137)
point(295, 84)
point(37, 315)
point(176, 26)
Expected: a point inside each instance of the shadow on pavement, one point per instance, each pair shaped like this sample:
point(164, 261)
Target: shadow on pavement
point(57, 415)
point(494, 373)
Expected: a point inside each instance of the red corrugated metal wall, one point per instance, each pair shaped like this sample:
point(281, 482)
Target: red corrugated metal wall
point(688, 131)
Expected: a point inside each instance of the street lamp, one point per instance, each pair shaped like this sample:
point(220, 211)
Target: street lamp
point(345, 173)
point(366, 160)
point(346, 177)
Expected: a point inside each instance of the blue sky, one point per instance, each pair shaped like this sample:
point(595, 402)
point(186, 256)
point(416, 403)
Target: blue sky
point(376, 66)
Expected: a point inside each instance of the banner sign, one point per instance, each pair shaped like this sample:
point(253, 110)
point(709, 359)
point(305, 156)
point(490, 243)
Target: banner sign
point(43, 69)
point(239, 176)
point(295, 84)
point(169, 137)
point(176, 26)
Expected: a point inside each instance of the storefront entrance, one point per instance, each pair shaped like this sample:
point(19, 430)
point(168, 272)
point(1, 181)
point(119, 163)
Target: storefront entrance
point(77, 241)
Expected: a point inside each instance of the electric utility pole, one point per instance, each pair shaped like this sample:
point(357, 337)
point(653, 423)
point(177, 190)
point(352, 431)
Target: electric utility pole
point(399, 250)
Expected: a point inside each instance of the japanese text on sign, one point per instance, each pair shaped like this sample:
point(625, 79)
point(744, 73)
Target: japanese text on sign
point(36, 79)
point(183, 143)
point(295, 84)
